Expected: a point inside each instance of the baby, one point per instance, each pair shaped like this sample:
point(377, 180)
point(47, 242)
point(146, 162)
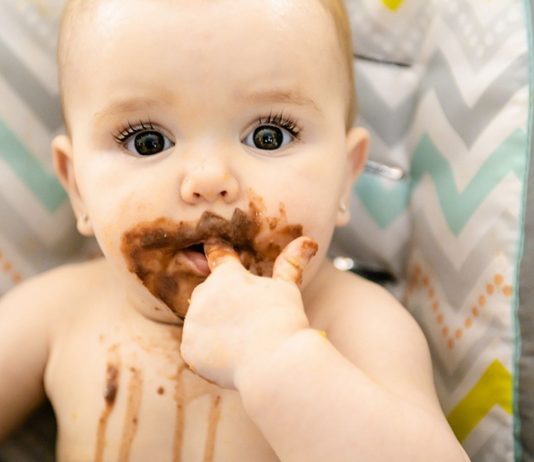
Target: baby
point(209, 149)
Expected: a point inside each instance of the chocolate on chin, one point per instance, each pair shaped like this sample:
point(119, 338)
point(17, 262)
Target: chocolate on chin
point(157, 251)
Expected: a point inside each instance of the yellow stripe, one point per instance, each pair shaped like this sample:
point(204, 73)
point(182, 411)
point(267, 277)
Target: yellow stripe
point(393, 4)
point(493, 388)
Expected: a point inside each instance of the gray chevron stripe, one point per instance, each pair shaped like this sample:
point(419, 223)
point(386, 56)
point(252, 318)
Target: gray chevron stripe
point(452, 380)
point(10, 13)
point(392, 125)
point(456, 283)
point(346, 242)
point(30, 246)
point(29, 89)
point(479, 41)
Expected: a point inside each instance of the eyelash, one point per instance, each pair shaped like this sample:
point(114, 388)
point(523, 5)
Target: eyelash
point(278, 119)
point(122, 135)
point(282, 121)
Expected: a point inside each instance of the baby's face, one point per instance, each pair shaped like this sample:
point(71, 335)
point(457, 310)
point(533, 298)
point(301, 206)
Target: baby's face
point(192, 120)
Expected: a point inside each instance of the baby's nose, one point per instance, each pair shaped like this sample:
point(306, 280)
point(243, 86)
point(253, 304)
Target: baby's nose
point(209, 182)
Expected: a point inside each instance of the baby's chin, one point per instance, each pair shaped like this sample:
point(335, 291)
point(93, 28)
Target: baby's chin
point(168, 257)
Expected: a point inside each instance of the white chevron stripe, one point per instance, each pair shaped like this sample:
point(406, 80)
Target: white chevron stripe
point(23, 123)
point(393, 85)
point(472, 83)
point(487, 216)
point(487, 11)
point(497, 426)
point(51, 228)
point(41, 64)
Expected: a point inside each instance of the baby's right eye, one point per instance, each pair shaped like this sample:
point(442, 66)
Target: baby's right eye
point(144, 140)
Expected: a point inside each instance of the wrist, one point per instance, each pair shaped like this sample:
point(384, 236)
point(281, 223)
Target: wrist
point(281, 363)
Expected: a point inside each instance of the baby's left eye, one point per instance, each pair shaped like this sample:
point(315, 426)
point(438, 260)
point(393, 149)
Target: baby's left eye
point(269, 138)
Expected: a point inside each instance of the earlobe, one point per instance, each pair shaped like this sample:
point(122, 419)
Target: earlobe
point(64, 168)
point(357, 147)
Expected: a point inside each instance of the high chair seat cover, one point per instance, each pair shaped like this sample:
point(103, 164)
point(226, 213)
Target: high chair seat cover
point(445, 89)
point(36, 223)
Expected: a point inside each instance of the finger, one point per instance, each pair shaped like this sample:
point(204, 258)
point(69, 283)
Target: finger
point(218, 252)
point(290, 264)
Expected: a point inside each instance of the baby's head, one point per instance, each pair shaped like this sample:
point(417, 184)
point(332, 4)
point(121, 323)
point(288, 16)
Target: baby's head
point(214, 118)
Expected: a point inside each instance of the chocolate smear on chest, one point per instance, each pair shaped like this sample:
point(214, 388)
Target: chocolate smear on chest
point(131, 417)
point(110, 394)
point(154, 250)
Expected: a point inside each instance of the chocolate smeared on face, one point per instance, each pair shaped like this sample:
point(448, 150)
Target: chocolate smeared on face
point(168, 256)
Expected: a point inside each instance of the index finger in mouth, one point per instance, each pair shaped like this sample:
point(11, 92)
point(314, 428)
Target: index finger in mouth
point(218, 252)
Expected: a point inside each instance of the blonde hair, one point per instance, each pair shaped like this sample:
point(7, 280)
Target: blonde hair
point(338, 12)
point(335, 8)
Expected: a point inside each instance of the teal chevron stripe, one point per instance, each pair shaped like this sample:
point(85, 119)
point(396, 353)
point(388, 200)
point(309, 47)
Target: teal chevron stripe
point(384, 205)
point(42, 184)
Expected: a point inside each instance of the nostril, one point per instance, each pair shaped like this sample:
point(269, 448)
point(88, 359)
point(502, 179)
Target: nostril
point(196, 195)
point(224, 193)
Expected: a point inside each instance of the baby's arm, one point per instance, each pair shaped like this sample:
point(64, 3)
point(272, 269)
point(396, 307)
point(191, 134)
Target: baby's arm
point(24, 334)
point(364, 393)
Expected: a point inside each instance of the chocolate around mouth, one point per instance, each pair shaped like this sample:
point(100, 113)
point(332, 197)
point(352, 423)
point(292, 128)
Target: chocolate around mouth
point(153, 250)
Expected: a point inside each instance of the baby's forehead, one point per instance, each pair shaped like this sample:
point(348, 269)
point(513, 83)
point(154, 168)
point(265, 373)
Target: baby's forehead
point(87, 25)
point(78, 12)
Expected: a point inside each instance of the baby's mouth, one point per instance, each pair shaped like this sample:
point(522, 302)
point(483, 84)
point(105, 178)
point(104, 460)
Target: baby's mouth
point(169, 259)
point(196, 258)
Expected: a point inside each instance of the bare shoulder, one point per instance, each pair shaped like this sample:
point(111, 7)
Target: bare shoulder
point(56, 288)
point(29, 317)
point(375, 332)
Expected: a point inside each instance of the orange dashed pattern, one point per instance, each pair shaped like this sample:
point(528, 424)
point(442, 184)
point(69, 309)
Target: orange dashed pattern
point(7, 267)
point(418, 280)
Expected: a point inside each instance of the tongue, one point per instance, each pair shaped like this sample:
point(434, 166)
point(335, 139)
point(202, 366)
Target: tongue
point(199, 260)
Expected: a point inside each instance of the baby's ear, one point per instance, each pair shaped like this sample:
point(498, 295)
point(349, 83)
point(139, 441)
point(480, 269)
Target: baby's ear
point(64, 168)
point(357, 146)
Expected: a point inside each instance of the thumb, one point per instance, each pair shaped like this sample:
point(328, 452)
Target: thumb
point(290, 264)
point(218, 252)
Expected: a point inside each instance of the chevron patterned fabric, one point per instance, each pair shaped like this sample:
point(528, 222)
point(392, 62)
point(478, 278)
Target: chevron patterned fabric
point(37, 228)
point(444, 89)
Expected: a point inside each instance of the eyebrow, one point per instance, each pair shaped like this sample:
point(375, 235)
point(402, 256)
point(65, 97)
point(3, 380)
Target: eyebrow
point(127, 105)
point(279, 96)
point(124, 106)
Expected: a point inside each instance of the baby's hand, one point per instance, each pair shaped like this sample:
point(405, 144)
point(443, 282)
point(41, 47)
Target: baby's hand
point(236, 318)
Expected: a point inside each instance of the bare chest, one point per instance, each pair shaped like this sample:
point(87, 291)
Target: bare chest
point(122, 398)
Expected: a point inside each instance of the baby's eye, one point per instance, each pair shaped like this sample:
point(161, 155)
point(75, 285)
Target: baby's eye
point(148, 143)
point(269, 138)
point(144, 139)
